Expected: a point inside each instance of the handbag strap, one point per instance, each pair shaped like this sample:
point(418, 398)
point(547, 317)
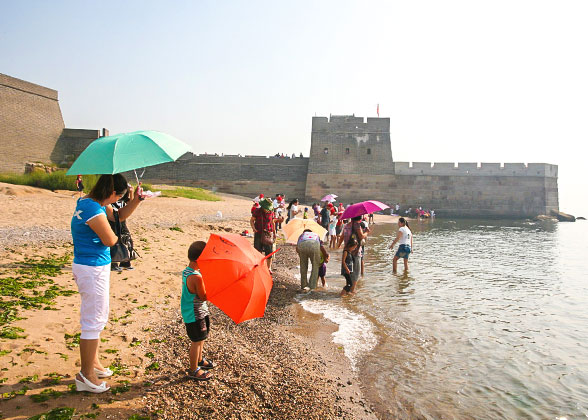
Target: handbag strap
point(117, 226)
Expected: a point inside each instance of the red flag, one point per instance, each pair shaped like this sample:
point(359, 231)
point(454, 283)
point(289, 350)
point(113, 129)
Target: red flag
point(378, 110)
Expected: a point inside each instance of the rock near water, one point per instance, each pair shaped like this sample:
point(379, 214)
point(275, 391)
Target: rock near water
point(563, 217)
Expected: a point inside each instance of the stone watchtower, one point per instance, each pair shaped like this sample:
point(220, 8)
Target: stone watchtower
point(346, 151)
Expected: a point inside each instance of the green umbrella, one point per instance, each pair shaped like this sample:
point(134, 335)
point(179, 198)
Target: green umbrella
point(127, 151)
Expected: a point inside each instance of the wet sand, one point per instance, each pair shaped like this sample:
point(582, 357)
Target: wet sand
point(283, 366)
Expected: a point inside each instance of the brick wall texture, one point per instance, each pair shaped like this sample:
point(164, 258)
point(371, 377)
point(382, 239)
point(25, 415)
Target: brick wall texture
point(30, 123)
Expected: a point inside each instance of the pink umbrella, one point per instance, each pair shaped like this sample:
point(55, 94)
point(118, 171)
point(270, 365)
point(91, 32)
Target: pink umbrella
point(365, 207)
point(329, 197)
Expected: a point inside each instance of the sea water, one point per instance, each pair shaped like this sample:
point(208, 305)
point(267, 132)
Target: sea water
point(490, 322)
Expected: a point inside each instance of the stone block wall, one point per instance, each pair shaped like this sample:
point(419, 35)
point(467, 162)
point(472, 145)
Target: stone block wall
point(72, 143)
point(248, 175)
point(30, 123)
point(450, 196)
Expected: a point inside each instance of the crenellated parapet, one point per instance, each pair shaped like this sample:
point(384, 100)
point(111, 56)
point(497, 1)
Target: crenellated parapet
point(543, 170)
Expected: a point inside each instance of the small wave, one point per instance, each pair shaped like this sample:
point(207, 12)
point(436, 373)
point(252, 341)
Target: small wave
point(355, 333)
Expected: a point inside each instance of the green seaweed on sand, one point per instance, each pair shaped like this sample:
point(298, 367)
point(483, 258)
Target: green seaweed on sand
point(119, 368)
point(176, 228)
point(45, 395)
point(31, 288)
point(10, 395)
point(31, 350)
point(149, 355)
point(60, 413)
point(124, 386)
point(72, 340)
point(127, 314)
point(12, 333)
point(28, 379)
point(111, 351)
point(152, 367)
point(53, 378)
point(5, 352)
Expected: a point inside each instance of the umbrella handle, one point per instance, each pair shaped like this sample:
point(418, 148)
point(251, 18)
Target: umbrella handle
point(270, 255)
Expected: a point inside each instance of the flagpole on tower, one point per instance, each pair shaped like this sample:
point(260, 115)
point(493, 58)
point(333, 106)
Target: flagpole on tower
point(378, 110)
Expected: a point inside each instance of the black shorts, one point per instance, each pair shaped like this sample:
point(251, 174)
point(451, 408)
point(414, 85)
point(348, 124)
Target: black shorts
point(80, 187)
point(264, 249)
point(198, 331)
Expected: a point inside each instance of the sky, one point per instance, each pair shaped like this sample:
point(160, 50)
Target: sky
point(461, 81)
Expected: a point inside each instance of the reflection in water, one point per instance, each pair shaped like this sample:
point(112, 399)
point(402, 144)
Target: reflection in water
point(490, 322)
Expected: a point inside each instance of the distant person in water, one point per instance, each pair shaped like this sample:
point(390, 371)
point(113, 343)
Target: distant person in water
point(404, 239)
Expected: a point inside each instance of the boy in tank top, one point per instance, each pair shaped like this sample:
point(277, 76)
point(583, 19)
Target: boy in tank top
point(195, 314)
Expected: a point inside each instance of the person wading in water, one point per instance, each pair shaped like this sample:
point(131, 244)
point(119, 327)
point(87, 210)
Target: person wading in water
point(404, 239)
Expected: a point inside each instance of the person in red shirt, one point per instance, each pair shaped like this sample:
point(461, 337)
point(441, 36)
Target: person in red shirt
point(263, 223)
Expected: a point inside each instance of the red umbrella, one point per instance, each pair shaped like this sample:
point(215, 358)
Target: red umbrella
point(236, 277)
point(365, 207)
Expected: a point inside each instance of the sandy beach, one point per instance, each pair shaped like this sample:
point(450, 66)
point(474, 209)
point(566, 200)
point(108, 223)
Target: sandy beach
point(283, 366)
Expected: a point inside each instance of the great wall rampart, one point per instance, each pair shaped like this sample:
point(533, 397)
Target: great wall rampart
point(350, 156)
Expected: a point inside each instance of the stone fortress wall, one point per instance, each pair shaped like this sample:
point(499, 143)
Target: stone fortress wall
point(349, 156)
point(32, 127)
point(243, 175)
point(30, 123)
point(352, 158)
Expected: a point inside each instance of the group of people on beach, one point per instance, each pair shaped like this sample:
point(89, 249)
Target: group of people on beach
point(267, 217)
point(93, 236)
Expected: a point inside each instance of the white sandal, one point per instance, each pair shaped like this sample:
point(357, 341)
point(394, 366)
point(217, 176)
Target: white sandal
point(106, 373)
point(86, 385)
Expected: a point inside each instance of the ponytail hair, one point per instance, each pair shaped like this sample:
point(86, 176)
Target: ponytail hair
point(291, 204)
point(106, 185)
point(404, 222)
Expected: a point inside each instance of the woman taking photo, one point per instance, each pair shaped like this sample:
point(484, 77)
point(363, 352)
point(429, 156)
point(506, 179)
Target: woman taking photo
point(92, 239)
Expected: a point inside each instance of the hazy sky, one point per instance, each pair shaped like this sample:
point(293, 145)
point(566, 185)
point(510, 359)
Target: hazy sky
point(462, 81)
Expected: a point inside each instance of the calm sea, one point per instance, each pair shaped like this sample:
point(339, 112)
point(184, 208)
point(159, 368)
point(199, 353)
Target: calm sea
point(490, 323)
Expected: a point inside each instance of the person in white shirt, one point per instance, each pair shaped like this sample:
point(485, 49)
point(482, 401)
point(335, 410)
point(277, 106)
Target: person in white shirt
point(404, 239)
point(293, 210)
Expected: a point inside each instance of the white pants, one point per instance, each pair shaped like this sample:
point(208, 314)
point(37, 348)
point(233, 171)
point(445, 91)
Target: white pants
point(94, 287)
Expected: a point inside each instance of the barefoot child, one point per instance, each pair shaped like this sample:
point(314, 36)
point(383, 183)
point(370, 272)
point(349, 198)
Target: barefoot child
point(195, 314)
point(347, 267)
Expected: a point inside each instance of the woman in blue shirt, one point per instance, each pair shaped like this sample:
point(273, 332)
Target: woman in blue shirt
point(92, 239)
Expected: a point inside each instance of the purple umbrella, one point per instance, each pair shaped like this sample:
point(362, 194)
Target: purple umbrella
point(365, 207)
